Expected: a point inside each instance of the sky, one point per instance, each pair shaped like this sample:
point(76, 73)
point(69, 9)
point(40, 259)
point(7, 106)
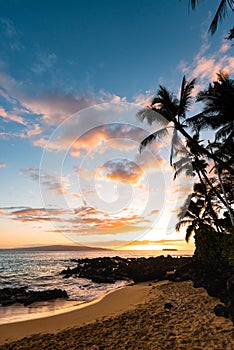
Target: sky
point(73, 76)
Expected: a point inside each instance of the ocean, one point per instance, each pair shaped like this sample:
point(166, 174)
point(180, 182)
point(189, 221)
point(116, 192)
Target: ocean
point(41, 270)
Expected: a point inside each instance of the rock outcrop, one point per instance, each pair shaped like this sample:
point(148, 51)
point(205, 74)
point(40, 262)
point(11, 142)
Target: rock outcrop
point(9, 296)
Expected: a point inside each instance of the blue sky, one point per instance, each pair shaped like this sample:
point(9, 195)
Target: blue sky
point(57, 58)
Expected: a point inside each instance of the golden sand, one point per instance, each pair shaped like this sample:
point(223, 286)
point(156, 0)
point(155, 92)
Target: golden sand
point(131, 318)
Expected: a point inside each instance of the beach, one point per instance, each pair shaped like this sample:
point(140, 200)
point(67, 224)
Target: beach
point(133, 317)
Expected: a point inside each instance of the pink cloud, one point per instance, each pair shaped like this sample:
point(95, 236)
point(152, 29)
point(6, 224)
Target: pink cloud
point(2, 165)
point(206, 66)
point(33, 131)
point(9, 116)
point(38, 214)
point(116, 136)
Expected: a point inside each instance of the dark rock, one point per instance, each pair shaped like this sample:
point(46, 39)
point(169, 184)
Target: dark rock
point(102, 279)
point(45, 295)
point(168, 306)
point(230, 297)
point(221, 310)
point(109, 270)
point(9, 296)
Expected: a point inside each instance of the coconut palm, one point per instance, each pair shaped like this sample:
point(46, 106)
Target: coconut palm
point(218, 111)
point(220, 14)
point(218, 114)
point(170, 113)
point(198, 211)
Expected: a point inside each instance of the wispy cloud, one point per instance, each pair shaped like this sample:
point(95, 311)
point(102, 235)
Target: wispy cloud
point(10, 32)
point(83, 221)
point(57, 184)
point(38, 214)
point(2, 165)
point(206, 65)
point(45, 62)
point(9, 116)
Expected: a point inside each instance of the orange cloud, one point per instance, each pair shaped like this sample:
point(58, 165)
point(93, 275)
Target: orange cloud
point(121, 170)
point(118, 136)
point(37, 214)
point(158, 242)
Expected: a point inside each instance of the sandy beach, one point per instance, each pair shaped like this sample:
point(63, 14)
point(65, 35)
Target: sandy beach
point(130, 318)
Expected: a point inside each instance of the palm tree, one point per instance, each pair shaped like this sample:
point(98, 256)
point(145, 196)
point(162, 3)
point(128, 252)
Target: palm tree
point(198, 211)
point(170, 112)
point(220, 14)
point(218, 111)
point(218, 114)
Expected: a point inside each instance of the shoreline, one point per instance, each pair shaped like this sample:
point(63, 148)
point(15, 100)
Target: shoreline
point(49, 308)
point(108, 305)
point(134, 317)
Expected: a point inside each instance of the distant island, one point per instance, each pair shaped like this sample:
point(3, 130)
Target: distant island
point(170, 249)
point(52, 248)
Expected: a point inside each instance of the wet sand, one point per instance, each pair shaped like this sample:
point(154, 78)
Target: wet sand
point(131, 318)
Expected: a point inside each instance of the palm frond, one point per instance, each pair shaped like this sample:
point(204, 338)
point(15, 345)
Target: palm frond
point(169, 103)
point(184, 208)
point(189, 231)
point(157, 135)
point(182, 223)
point(225, 132)
point(194, 3)
point(151, 115)
point(219, 16)
point(185, 96)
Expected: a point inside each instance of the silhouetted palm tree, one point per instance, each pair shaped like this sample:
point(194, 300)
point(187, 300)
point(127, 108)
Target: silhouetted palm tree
point(220, 14)
point(170, 112)
point(218, 114)
point(197, 211)
point(218, 111)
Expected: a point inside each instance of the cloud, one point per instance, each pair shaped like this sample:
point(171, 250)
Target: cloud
point(156, 243)
point(55, 107)
point(38, 214)
point(92, 217)
point(9, 32)
point(46, 61)
point(121, 170)
point(54, 183)
point(9, 116)
point(2, 165)
point(154, 211)
point(205, 66)
point(34, 130)
point(144, 99)
point(123, 137)
point(83, 221)
point(52, 107)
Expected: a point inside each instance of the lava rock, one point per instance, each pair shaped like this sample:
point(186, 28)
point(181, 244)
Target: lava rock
point(221, 310)
point(9, 296)
point(168, 306)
